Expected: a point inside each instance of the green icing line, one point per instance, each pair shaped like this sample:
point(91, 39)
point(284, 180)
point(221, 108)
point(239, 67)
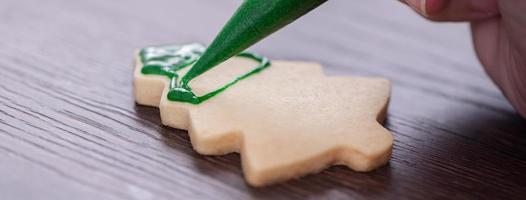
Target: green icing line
point(168, 60)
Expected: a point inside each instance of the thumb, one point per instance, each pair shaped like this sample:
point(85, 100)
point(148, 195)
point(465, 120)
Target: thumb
point(455, 10)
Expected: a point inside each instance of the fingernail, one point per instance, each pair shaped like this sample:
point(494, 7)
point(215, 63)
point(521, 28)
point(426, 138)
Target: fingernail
point(418, 5)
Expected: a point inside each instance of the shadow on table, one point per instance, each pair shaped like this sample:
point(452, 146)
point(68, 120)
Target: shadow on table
point(460, 152)
point(483, 146)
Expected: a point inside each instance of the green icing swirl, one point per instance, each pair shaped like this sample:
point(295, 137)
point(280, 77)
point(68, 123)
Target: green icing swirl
point(168, 60)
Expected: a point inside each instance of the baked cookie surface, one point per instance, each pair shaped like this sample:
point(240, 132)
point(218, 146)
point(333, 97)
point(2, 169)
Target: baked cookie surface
point(286, 121)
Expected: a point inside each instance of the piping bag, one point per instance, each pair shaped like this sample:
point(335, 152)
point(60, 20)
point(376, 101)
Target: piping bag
point(253, 21)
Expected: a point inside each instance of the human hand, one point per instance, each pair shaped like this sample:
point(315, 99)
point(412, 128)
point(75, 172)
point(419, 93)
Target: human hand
point(499, 36)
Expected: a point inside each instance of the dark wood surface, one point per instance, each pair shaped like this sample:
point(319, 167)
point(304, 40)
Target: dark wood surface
point(69, 127)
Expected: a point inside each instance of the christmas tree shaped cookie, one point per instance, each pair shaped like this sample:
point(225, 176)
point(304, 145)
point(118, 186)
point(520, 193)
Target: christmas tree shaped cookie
point(286, 119)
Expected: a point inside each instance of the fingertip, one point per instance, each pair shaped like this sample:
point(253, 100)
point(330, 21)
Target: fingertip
point(457, 10)
point(434, 7)
point(427, 8)
point(417, 5)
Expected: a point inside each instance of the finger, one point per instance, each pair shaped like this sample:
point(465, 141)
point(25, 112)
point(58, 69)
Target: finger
point(455, 10)
point(501, 59)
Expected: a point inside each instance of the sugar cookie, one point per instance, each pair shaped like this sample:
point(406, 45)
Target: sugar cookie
point(286, 121)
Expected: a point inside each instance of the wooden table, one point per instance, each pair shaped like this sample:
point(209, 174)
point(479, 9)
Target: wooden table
point(69, 127)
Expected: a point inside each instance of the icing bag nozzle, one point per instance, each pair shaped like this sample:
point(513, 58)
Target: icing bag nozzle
point(253, 21)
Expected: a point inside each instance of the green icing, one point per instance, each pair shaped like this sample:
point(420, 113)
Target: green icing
point(168, 60)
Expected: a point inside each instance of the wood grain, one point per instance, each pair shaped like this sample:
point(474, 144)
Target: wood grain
point(69, 128)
